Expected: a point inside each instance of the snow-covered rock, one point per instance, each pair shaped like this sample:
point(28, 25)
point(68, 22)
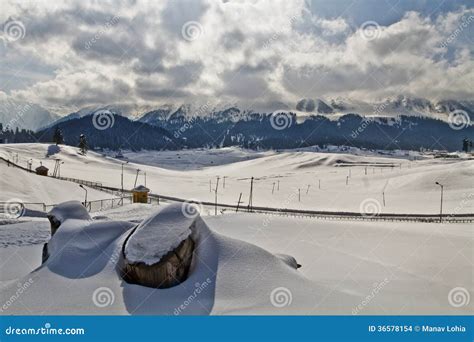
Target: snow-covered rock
point(69, 210)
point(159, 234)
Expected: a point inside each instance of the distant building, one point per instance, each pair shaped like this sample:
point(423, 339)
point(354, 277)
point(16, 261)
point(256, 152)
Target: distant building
point(140, 194)
point(42, 170)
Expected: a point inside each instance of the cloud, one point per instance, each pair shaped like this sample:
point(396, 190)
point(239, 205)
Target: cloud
point(134, 53)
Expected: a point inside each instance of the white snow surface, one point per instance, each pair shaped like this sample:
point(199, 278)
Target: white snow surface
point(70, 210)
point(233, 277)
point(160, 233)
point(238, 263)
point(413, 266)
point(320, 177)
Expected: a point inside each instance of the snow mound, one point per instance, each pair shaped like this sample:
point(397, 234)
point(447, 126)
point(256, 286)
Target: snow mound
point(69, 210)
point(227, 276)
point(159, 234)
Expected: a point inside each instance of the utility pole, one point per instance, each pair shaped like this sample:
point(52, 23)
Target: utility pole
point(136, 178)
point(347, 180)
point(299, 194)
point(59, 169)
point(273, 188)
point(215, 202)
point(122, 176)
point(215, 196)
point(441, 202)
point(145, 178)
point(278, 185)
point(383, 198)
point(307, 190)
point(366, 170)
point(223, 184)
point(85, 199)
point(210, 185)
point(251, 195)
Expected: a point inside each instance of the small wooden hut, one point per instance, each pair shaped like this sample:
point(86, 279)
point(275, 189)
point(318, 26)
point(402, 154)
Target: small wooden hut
point(42, 170)
point(140, 194)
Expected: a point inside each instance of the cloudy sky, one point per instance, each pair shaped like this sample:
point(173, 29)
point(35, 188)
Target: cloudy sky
point(71, 54)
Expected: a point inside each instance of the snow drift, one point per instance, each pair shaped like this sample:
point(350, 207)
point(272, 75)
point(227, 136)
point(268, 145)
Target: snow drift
point(227, 276)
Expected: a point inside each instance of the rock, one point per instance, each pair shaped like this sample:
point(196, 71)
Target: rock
point(158, 253)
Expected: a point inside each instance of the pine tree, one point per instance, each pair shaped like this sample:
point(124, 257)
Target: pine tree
point(83, 147)
point(58, 136)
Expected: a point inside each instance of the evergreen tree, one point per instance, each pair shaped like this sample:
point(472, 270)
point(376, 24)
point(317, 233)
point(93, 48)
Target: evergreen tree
point(83, 147)
point(58, 136)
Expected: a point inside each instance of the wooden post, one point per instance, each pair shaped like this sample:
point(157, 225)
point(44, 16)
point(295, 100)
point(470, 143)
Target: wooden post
point(278, 185)
point(251, 195)
point(273, 188)
point(215, 203)
point(136, 178)
point(299, 194)
point(223, 184)
point(238, 202)
point(307, 190)
point(383, 197)
point(347, 180)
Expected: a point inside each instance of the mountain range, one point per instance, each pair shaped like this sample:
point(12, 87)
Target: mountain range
point(398, 123)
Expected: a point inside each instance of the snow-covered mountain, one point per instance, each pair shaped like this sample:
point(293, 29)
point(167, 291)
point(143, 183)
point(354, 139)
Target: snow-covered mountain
point(115, 110)
point(390, 107)
point(316, 106)
point(25, 115)
point(333, 109)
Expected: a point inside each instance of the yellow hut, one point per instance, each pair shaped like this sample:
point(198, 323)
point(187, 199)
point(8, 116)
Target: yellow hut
point(42, 170)
point(140, 194)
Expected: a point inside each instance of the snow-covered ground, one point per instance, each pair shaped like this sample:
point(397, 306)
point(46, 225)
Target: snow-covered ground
point(347, 267)
point(300, 180)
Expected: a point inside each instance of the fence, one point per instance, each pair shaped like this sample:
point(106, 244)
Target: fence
point(100, 205)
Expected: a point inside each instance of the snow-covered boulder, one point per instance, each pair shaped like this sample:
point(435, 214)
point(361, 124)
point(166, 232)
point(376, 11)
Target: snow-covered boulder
point(159, 251)
point(73, 210)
